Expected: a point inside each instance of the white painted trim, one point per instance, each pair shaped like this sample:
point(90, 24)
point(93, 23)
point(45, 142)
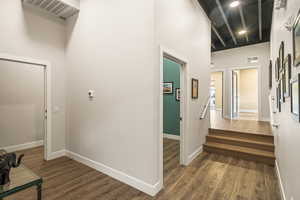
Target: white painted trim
point(248, 111)
point(121, 176)
point(194, 154)
point(57, 154)
point(184, 84)
point(171, 136)
point(259, 83)
point(48, 98)
point(282, 191)
point(20, 147)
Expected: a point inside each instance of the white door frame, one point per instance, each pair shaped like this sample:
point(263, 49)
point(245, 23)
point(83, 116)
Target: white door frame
point(258, 87)
point(47, 79)
point(167, 53)
point(223, 88)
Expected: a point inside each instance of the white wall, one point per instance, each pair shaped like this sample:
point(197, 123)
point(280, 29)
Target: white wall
point(237, 57)
point(287, 135)
point(27, 33)
point(118, 56)
point(110, 49)
point(21, 103)
point(183, 27)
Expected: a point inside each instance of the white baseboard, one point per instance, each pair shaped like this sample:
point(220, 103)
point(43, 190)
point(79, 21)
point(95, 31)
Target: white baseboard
point(121, 176)
point(172, 137)
point(280, 182)
point(194, 155)
point(57, 154)
point(20, 147)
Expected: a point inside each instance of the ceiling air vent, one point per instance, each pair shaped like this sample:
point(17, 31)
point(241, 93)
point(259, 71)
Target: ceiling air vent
point(253, 59)
point(59, 8)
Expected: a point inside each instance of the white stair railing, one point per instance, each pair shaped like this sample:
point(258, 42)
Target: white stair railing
point(204, 108)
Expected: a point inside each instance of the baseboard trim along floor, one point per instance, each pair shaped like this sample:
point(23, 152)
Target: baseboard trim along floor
point(121, 176)
point(24, 146)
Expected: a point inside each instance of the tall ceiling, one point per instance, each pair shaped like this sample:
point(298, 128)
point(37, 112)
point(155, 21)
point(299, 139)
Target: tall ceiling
point(255, 16)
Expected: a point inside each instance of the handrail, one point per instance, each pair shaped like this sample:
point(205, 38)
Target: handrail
point(205, 108)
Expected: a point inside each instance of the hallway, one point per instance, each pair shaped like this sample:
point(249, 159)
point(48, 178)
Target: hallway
point(209, 177)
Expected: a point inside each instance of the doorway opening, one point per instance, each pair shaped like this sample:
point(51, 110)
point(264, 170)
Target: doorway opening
point(173, 105)
point(216, 95)
point(24, 101)
point(244, 94)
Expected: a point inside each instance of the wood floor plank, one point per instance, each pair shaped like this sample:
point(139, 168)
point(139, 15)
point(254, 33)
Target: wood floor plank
point(208, 177)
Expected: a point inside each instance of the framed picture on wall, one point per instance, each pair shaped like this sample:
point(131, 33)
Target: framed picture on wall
point(295, 100)
point(281, 56)
point(296, 40)
point(168, 87)
point(287, 75)
point(282, 98)
point(270, 75)
point(278, 98)
point(277, 69)
point(195, 85)
point(177, 94)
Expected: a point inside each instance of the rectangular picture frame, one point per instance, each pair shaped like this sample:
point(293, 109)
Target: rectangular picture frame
point(277, 69)
point(296, 41)
point(195, 87)
point(287, 67)
point(281, 56)
point(295, 97)
point(168, 87)
point(270, 75)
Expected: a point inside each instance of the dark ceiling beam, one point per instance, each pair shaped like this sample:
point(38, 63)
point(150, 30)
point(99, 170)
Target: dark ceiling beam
point(226, 21)
point(260, 19)
point(218, 35)
point(243, 21)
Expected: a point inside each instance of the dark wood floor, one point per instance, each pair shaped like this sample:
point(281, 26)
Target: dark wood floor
point(208, 177)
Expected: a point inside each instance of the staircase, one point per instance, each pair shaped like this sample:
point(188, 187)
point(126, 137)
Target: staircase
point(248, 146)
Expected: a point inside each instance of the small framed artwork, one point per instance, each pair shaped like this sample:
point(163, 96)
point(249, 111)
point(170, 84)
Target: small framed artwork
point(278, 98)
point(270, 75)
point(282, 99)
point(195, 85)
point(277, 69)
point(281, 56)
point(295, 100)
point(296, 40)
point(287, 67)
point(168, 87)
point(177, 94)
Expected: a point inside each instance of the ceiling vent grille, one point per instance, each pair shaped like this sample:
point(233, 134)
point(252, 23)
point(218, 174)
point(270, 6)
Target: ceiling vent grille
point(59, 8)
point(253, 59)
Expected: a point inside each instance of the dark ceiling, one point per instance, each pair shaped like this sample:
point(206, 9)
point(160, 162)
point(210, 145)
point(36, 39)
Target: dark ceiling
point(253, 15)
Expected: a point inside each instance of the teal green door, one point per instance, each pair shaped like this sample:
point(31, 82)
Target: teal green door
point(171, 111)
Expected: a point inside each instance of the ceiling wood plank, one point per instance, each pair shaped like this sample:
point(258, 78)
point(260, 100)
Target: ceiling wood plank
point(218, 35)
point(226, 21)
point(243, 21)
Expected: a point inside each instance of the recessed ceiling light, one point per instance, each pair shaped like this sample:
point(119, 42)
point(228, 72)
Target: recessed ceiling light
point(234, 4)
point(242, 32)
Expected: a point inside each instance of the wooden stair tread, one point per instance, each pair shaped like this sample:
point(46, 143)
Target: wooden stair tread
point(246, 150)
point(241, 132)
point(241, 140)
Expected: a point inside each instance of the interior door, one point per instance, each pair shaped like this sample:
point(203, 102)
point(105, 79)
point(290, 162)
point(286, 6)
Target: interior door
point(235, 98)
point(22, 104)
